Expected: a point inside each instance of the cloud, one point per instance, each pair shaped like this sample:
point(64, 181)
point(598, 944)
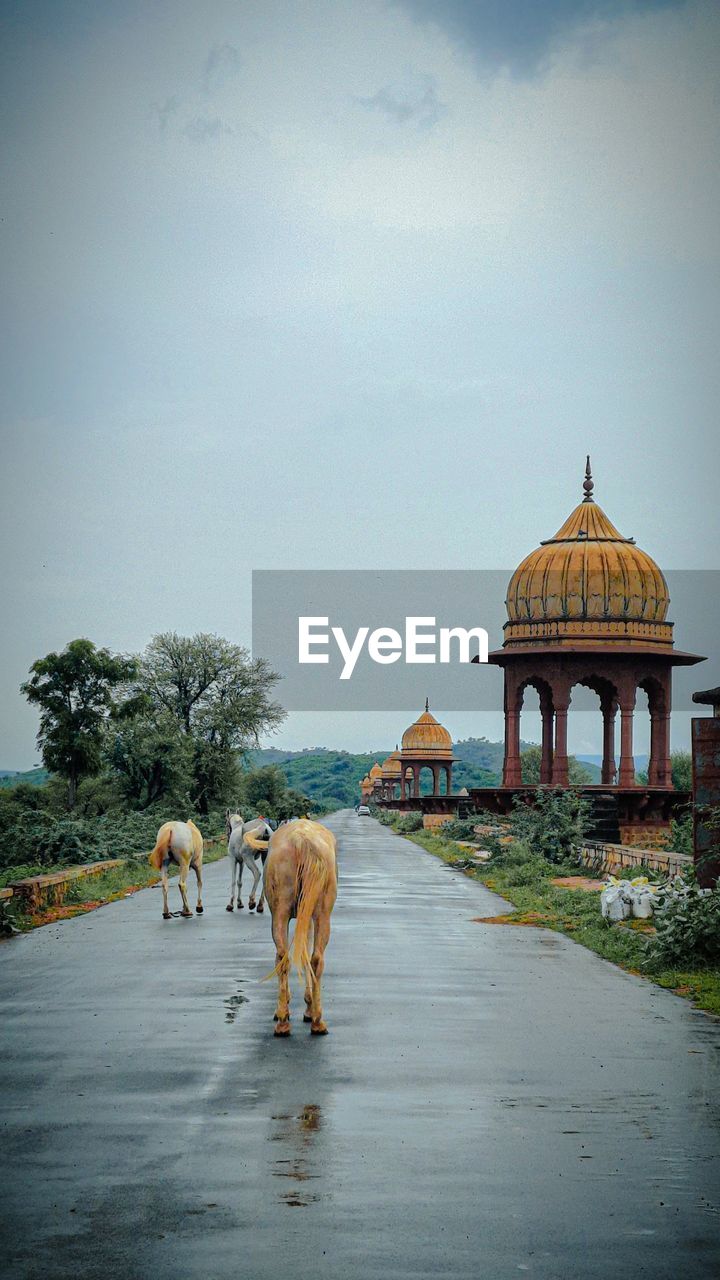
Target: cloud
point(202, 128)
point(520, 33)
point(222, 64)
point(164, 111)
point(420, 104)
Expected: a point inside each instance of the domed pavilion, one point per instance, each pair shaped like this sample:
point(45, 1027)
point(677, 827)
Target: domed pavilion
point(391, 774)
point(588, 607)
point(426, 744)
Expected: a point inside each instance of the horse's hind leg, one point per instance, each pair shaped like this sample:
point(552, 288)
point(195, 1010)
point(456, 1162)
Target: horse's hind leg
point(322, 937)
point(166, 909)
point(261, 903)
point(182, 878)
point(280, 938)
point(197, 867)
point(256, 880)
point(233, 869)
point(239, 865)
point(307, 1016)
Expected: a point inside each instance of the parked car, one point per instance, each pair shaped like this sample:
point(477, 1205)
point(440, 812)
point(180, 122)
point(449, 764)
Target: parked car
point(363, 811)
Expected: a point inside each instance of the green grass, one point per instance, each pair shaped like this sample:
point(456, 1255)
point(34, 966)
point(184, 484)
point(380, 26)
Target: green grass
point(576, 914)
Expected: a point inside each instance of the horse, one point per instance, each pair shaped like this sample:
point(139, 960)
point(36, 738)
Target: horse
point(241, 854)
point(181, 843)
point(301, 882)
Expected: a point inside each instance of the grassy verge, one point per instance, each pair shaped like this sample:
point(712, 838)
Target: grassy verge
point(94, 891)
point(575, 913)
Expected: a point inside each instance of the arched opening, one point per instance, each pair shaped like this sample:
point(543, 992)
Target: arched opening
point(535, 698)
point(607, 703)
point(651, 701)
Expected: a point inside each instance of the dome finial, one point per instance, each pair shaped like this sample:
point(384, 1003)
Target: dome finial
point(427, 704)
point(588, 485)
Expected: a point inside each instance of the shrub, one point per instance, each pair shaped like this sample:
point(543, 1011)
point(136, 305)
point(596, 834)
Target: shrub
point(553, 824)
point(408, 822)
point(464, 828)
point(681, 834)
point(688, 930)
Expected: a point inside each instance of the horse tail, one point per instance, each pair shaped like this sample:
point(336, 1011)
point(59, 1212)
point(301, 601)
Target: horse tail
point(162, 846)
point(254, 843)
point(313, 877)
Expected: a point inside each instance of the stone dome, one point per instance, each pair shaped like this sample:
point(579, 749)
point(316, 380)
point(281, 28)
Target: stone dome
point(375, 772)
point(391, 767)
point(588, 582)
point(427, 737)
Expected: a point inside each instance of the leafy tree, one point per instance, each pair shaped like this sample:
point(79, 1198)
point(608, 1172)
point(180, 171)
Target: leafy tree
point(218, 697)
point(681, 765)
point(74, 691)
point(152, 758)
point(531, 759)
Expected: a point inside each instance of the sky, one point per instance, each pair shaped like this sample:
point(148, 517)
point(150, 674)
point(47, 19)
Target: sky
point(345, 284)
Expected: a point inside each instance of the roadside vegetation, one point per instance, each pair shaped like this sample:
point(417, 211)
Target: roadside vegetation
point(128, 743)
point(679, 949)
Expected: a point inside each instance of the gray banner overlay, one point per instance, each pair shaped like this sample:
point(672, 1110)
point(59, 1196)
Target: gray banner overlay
point(382, 600)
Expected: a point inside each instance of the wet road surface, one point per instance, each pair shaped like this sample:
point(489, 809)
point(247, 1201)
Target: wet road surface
point(490, 1102)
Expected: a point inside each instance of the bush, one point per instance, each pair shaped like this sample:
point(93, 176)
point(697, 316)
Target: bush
point(688, 930)
point(553, 825)
point(464, 828)
point(408, 822)
point(681, 834)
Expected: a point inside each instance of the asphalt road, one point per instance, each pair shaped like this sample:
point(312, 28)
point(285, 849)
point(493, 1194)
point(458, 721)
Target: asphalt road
point(490, 1101)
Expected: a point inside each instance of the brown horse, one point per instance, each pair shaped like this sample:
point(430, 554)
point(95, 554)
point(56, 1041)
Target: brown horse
point(300, 882)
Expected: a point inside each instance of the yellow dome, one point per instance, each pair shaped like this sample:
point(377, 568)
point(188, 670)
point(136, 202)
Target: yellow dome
point(427, 737)
point(392, 767)
point(586, 582)
point(375, 772)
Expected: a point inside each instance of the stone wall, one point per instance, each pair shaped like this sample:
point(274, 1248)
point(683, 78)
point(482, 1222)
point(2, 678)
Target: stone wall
point(613, 859)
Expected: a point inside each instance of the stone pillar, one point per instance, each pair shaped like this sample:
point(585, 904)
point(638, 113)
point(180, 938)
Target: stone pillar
point(560, 774)
point(402, 783)
point(626, 776)
point(512, 776)
point(607, 775)
point(664, 764)
point(448, 779)
point(436, 779)
point(654, 762)
point(416, 779)
point(546, 759)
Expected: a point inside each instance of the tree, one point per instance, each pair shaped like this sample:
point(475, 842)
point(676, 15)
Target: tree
point(531, 759)
point(152, 758)
point(218, 696)
point(74, 691)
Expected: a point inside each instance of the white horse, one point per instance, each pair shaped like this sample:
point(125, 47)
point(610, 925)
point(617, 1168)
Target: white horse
point(181, 843)
point(240, 854)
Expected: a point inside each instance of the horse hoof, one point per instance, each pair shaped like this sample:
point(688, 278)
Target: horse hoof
point(318, 1029)
point(282, 1028)
point(307, 1017)
point(229, 907)
point(167, 915)
point(240, 905)
point(199, 910)
point(260, 909)
point(187, 914)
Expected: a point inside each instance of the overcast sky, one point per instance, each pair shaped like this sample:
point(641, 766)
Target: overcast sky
point(342, 284)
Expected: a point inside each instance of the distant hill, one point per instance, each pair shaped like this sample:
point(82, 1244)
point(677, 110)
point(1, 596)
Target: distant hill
point(331, 778)
point(33, 777)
